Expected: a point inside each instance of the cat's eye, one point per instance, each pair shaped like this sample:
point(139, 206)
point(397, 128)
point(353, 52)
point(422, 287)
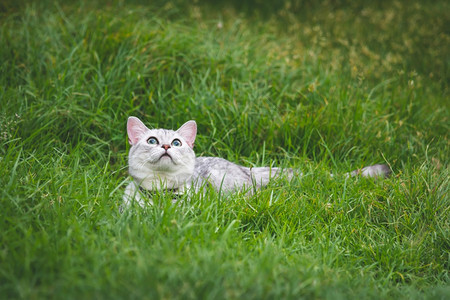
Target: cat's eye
point(152, 141)
point(176, 143)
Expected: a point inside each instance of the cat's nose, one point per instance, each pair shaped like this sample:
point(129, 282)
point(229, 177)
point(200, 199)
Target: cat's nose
point(165, 146)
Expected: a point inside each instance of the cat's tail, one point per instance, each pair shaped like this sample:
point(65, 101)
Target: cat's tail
point(372, 171)
point(262, 175)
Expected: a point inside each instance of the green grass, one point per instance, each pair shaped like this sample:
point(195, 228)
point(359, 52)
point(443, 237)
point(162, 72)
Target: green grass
point(328, 86)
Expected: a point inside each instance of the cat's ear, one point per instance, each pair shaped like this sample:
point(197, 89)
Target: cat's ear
point(188, 131)
point(135, 129)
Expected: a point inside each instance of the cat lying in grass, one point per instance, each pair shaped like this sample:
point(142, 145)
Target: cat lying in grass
point(164, 160)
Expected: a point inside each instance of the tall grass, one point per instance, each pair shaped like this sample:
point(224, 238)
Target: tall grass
point(320, 87)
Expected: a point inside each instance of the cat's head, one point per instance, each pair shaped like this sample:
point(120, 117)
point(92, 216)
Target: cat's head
point(160, 151)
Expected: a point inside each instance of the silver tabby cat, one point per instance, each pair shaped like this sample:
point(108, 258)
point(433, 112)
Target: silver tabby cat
point(164, 160)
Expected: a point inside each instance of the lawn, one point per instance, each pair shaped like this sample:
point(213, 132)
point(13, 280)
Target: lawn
point(321, 86)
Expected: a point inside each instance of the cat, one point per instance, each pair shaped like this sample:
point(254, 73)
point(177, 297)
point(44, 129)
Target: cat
point(164, 160)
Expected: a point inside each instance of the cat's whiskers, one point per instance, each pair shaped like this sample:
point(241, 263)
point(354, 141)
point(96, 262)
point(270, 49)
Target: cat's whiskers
point(145, 163)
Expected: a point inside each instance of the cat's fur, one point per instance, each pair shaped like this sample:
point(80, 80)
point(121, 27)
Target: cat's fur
point(166, 165)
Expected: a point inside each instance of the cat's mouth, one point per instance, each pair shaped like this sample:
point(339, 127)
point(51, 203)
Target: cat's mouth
point(165, 155)
point(166, 158)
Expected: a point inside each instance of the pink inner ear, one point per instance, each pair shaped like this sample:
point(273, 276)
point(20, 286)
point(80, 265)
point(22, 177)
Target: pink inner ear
point(135, 129)
point(188, 131)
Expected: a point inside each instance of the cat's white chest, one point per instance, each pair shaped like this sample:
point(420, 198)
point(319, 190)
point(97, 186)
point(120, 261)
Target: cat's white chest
point(162, 181)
